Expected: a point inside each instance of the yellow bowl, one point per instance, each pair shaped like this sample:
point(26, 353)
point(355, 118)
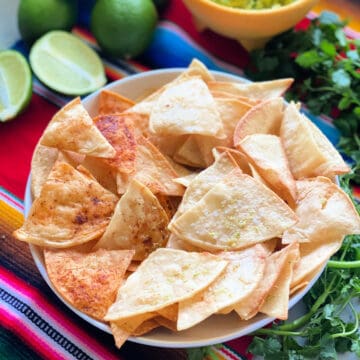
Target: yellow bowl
point(252, 28)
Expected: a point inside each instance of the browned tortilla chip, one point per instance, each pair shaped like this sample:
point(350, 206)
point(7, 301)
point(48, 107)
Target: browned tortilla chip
point(72, 129)
point(71, 209)
point(113, 103)
point(153, 170)
point(264, 118)
point(165, 277)
point(309, 152)
point(139, 222)
point(266, 154)
point(120, 134)
point(88, 281)
point(234, 214)
point(324, 211)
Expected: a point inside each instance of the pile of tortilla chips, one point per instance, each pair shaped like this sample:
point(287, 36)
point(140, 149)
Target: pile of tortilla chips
point(206, 197)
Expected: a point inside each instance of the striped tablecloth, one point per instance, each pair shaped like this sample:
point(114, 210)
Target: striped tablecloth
point(34, 323)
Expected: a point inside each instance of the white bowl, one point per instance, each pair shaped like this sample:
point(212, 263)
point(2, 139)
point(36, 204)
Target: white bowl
point(217, 328)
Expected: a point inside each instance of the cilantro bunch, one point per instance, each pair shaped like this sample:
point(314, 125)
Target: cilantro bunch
point(326, 67)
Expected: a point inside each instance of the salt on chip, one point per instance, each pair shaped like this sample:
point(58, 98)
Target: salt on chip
point(166, 277)
point(70, 210)
point(240, 278)
point(121, 135)
point(152, 169)
point(274, 265)
point(139, 222)
point(325, 212)
point(309, 152)
point(236, 213)
point(88, 281)
point(72, 129)
point(186, 107)
point(111, 102)
point(277, 300)
point(266, 154)
point(264, 118)
point(263, 90)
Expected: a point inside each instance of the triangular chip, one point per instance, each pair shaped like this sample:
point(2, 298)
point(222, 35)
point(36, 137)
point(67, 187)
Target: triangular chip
point(275, 263)
point(325, 212)
point(266, 154)
point(186, 107)
point(168, 145)
point(70, 210)
point(72, 129)
point(240, 278)
point(263, 90)
point(88, 281)
point(139, 222)
point(234, 214)
point(113, 103)
point(153, 170)
point(309, 152)
point(166, 277)
point(189, 153)
point(276, 304)
point(120, 134)
point(239, 158)
point(264, 118)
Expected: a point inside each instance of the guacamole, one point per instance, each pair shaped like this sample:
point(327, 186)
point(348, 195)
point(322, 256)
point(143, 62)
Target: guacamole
point(254, 4)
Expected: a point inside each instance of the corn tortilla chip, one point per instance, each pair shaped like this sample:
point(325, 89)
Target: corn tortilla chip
point(111, 102)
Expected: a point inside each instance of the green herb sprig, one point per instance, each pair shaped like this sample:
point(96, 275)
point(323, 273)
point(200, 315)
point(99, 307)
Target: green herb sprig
point(326, 67)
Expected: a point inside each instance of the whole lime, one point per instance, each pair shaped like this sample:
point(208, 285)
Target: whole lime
point(123, 28)
point(37, 17)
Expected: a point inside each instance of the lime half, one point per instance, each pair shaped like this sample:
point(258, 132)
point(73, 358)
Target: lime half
point(15, 84)
point(66, 64)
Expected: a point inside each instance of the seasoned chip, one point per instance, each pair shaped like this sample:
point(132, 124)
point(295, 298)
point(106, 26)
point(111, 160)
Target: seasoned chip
point(88, 281)
point(113, 103)
point(266, 154)
point(309, 152)
point(324, 211)
point(264, 118)
point(186, 107)
point(166, 277)
point(72, 129)
point(71, 209)
point(120, 134)
point(139, 222)
point(257, 90)
point(234, 214)
point(240, 278)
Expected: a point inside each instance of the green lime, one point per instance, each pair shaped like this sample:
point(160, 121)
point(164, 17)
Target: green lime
point(15, 84)
point(37, 17)
point(66, 64)
point(123, 28)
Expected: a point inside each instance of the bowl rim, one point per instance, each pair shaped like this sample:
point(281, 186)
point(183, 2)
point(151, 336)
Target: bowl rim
point(281, 10)
point(36, 251)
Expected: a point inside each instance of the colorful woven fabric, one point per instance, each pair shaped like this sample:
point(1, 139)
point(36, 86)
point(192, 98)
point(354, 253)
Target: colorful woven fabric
point(34, 323)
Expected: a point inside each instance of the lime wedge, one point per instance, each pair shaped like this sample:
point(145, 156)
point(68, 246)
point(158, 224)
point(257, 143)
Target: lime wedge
point(66, 64)
point(15, 84)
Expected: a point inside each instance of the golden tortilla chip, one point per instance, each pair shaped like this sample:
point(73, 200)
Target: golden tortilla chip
point(240, 278)
point(111, 102)
point(266, 154)
point(264, 90)
point(175, 243)
point(153, 170)
point(72, 129)
point(168, 145)
point(169, 312)
point(309, 152)
point(236, 213)
point(166, 277)
point(187, 179)
point(139, 222)
point(324, 211)
point(239, 158)
point(186, 107)
point(88, 281)
point(120, 134)
point(218, 94)
point(189, 153)
point(265, 118)
point(70, 210)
